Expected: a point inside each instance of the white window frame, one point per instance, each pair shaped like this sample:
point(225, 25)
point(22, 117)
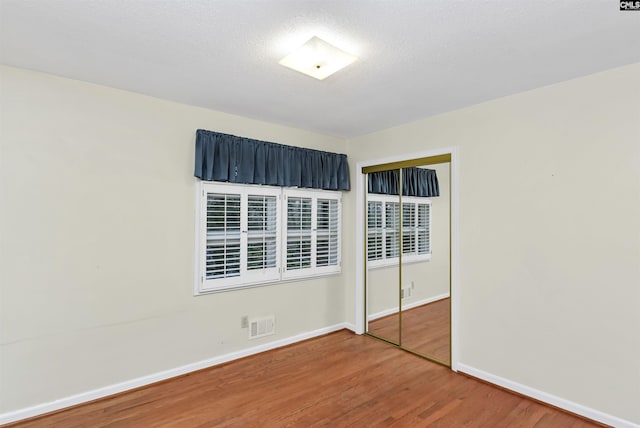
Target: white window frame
point(246, 277)
point(406, 258)
point(251, 278)
point(313, 269)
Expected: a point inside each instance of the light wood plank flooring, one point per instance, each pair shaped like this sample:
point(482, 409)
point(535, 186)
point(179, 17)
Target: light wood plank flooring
point(337, 380)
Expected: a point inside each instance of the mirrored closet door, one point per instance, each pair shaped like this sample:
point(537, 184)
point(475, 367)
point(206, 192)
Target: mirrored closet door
point(407, 281)
point(383, 266)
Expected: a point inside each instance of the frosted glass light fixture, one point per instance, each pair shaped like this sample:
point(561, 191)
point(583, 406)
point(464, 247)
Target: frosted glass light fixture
point(317, 58)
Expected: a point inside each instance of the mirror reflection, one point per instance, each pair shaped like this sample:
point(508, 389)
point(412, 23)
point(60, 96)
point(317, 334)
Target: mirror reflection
point(426, 269)
point(408, 257)
point(383, 267)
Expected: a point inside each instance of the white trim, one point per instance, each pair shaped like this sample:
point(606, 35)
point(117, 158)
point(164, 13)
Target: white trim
point(350, 326)
point(269, 276)
point(196, 241)
point(408, 306)
point(83, 397)
point(455, 290)
point(359, 236)
point(360, 257)
point(545, 397)
point(391, 262)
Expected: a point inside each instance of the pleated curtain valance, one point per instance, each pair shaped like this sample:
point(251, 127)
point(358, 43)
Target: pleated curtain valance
point(224, 157)
point(415, 182)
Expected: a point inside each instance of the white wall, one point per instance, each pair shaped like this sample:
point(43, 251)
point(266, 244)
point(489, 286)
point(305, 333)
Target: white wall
point(549, 225)
point(97, 241)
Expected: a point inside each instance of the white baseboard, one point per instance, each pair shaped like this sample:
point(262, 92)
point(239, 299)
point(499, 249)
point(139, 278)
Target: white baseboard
point(407, 306)
point(570, 406)
point(351, 327)
point(94, 394)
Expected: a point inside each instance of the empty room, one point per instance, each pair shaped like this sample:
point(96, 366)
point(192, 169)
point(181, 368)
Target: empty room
point(319, 213)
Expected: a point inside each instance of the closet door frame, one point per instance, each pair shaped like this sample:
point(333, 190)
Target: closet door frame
point(425, 158)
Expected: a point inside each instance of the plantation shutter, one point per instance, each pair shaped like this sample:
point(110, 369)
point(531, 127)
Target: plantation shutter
point(424, 226)
point(312, 233)
point(242, 245)
point(383, 229)
point(374, 231)
point(408, 228)
point(262, 236)
point(223, 236)
point(327, 222)
point(392, 228)
point(298, 233)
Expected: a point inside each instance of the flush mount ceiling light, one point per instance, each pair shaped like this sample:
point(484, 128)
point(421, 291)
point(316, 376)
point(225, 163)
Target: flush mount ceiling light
point(317, 58)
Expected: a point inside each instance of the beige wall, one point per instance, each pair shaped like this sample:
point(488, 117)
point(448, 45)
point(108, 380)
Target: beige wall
point(97, 222)
point(97, 241)
point(549, 226)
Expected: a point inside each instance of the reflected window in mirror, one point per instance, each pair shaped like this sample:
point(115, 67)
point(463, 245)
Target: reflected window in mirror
point(383, 229)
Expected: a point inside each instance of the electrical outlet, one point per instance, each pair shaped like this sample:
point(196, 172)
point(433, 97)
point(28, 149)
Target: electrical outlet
point(406, 291)
point(244, 322)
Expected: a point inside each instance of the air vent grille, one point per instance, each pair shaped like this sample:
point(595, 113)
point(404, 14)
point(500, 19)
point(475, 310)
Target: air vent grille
point(260, 327)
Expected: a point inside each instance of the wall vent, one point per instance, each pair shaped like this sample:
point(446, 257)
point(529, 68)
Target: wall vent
point(259, 327)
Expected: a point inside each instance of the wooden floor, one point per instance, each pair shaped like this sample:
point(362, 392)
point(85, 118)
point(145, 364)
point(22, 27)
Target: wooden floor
point(338, 380)
point(425, 329)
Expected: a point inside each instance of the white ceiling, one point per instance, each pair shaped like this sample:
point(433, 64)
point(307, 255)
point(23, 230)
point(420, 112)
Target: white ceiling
point(417, 57)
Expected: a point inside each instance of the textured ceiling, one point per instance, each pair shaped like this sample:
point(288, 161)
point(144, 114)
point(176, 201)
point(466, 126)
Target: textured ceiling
point(417, 57)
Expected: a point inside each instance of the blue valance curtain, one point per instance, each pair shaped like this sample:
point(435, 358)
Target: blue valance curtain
point(224, 157)
point(415, 182)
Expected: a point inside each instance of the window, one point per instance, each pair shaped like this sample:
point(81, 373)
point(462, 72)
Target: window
point(383, 220)
point(240, 239)
point(312, 232)
point(250, 235)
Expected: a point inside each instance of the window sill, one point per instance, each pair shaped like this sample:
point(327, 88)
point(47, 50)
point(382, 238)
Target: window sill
point(266, 283)
point(380, 264)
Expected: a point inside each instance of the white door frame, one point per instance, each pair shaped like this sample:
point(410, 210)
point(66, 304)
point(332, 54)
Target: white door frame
point(359, 236)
